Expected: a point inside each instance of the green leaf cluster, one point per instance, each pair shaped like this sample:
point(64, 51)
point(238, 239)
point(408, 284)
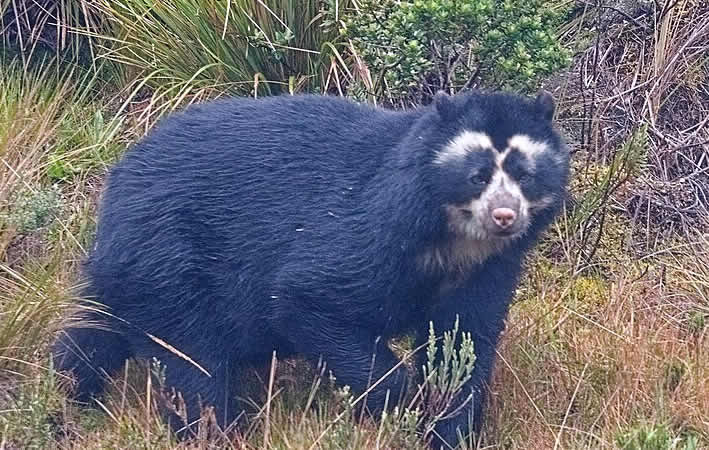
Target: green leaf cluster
point(414, 48)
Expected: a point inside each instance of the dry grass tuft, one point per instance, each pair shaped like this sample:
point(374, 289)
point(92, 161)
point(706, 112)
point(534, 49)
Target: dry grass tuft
point(606, 348)
point(576, 372)
point(647, 68)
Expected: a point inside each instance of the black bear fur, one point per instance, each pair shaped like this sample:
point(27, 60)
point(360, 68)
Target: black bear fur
point(296, 224)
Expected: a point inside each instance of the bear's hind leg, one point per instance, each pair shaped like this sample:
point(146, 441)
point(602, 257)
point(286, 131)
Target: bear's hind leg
point(196, 385)
point(91, 354)
point(361, 361)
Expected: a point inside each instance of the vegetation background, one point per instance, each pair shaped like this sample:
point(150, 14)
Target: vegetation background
point(606, 346)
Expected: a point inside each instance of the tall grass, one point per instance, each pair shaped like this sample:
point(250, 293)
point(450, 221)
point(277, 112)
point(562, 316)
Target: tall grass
point(63, 26)
point(187, 50)
point(614, 357)
point(32, 104)
point(35, 102)
point(45, 225)
point(40, 107)
point(589, 362)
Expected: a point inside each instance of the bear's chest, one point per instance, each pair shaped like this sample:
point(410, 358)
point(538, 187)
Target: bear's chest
point(408, 310)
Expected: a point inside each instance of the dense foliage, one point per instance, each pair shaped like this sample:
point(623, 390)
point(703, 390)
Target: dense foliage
point(414, 48)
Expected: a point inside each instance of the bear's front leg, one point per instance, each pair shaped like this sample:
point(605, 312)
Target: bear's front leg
point(473, 397)
point(481, 310)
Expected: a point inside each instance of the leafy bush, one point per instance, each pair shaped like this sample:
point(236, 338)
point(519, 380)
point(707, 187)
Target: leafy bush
point(655, 437)
point(25, 420)
point(417, 47)
point(33, 209)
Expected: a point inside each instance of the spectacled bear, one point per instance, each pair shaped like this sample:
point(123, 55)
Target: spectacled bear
point(316, 226)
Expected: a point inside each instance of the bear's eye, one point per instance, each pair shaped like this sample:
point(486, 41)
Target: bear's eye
point(478, 177)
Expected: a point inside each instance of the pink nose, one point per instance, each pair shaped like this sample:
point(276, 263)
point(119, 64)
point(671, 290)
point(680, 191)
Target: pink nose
point(503, 217)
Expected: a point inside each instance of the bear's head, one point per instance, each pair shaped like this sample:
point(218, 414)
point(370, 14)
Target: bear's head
point(497, 167)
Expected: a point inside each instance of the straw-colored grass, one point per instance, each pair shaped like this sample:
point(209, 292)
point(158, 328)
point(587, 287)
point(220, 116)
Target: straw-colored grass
point(607, 345)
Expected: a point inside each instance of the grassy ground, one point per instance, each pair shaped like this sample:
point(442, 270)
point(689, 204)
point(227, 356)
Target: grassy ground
point(606, 347)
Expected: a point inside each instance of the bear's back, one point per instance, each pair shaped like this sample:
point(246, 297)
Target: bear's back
point(282, 148)
point(229, 187)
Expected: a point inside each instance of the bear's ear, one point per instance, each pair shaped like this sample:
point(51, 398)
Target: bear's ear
point(445, 106)
point(545, 105)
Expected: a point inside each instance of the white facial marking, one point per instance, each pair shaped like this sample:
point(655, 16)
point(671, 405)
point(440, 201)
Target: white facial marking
point(473, 243)
point(500, 181)
point(527, 146)
point(461, 145)
point(460, 254)
point(511, 186)
point(542, 203)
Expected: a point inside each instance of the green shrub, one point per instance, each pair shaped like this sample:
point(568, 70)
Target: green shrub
point(445, 375)
point(24, 421)
point(448, 365)
point(34, 209)
point(414, 48)
point(655, 437)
